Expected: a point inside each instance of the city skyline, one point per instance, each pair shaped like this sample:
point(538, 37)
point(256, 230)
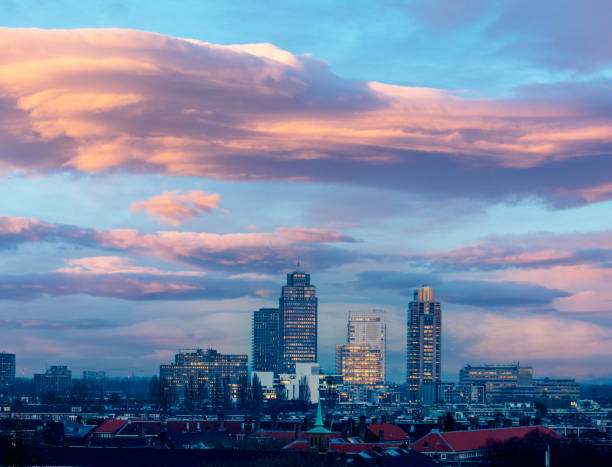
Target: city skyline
point(162, 165)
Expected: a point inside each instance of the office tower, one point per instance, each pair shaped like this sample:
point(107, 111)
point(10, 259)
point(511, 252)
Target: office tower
point(369, 328)
point(265, 340)
point(424, 346)
point(202, 375)
point(7, 372)
point(56, 379)
point(359, 364)
point(297, 321)
point(502, 382)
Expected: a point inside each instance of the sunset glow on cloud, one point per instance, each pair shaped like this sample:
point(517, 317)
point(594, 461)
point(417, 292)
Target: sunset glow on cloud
point(155, 187)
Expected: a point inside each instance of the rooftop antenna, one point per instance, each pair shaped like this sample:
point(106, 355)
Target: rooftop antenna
point(298, 264)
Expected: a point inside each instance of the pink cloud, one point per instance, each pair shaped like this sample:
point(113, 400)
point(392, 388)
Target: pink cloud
point(116, 265)
point(174, 207)
point(238, 252)
point(97, 100)
point(489, 337)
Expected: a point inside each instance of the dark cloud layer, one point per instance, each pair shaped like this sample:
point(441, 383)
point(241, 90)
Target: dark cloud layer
point(484, 294)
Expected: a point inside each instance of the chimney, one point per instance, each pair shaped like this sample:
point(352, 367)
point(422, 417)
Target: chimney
point(345, 430)
point(221, 419)
point(362, 427)
point(257, 423)
point(384, 418)
point(298, 431)
point(381, 436)
point(351, 427)
point(374, 420)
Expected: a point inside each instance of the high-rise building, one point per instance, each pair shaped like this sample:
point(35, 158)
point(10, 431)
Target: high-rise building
point(369, 328)
point(359, 364)
point(502, 382)
point(7, 372)
point(56, 379)
point(424, 346)
point(265, 340)
point(297, 321)
point(203, 375)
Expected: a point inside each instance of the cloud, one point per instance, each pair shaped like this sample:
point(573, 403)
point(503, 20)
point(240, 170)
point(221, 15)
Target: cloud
point(41, 324)
point(174, 208)
point(543, 250)
point(116, 265)
point(127, 286)
point(235, 252)
point(479, 293)
point(103, 100)
point(492, 337)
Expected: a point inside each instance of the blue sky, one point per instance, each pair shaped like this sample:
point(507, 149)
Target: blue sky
point(483, 170)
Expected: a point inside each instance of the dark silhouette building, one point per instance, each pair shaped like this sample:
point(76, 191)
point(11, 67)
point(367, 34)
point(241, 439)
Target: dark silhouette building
point(265, 340)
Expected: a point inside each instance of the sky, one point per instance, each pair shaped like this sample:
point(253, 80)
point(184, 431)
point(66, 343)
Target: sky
point(163, 164)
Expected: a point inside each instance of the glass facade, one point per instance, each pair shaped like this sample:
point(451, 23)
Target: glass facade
point(369, 328)
point(265, 339)
point(424, 342)
point(359, 364)
point(297, 321)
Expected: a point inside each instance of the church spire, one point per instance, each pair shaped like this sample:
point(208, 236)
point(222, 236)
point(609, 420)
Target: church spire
point(319, 419)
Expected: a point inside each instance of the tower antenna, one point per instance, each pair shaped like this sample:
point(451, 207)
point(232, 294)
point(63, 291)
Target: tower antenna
point(298, 263)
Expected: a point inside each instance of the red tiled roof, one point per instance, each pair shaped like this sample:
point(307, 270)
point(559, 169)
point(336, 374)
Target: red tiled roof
point(391, 432)
point(450, 441)
point(343, 446)
point(111, 426)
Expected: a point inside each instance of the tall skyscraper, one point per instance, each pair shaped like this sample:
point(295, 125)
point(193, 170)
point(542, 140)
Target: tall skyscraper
point(369, 328)
point(7, 372)
point(297, 321)
point(424, 344)
point(265, 339)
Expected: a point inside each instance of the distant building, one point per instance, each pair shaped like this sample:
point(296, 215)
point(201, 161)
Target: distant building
point(93, 375)
point(359, 364)
point(203, 375)
point(452, 393)
point(297, 321)
point(265, 340)
point(56, 379)
point(424, 341)
point(7, 372)
point(502, 382)
point(554, 389)
point(369, 328)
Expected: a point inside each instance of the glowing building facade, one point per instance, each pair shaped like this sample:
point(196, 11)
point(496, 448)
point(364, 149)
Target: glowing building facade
point(297, 321)
point(369, 328)
point(424, 341)
point(359, 364)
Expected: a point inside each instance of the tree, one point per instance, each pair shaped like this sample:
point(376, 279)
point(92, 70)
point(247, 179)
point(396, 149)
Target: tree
point(448, 422)
point(304, 390)
point(243, 392)
point(257, 396)
point(227, 394)
point(154, 391)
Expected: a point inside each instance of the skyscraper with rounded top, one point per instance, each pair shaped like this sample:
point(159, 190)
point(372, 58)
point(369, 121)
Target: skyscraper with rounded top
point(424, 341)
point(297, 308)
